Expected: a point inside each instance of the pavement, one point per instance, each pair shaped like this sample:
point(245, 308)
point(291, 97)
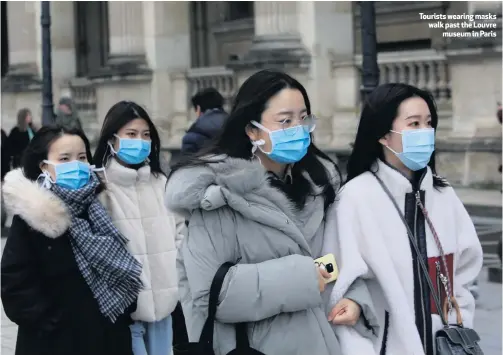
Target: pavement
point(488, 316)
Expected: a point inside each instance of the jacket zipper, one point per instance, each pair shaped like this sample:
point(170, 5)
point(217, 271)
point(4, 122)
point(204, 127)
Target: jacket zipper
point(419, 276)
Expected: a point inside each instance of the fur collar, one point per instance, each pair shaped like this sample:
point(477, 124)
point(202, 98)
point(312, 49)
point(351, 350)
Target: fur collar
point(211, 186)
point(37, 206)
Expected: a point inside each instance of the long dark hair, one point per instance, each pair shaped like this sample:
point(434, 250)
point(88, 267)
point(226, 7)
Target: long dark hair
point(379, 112)
point(250, 102)
point(38, 149)
point(117, 117)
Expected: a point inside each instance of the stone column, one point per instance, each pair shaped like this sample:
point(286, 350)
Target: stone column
point(126, 31)
point(275, 18)
point(277, 42)
point(22, 36)
point(167, 44)
point(476, 91)
point(475, 72)
point(327, 30)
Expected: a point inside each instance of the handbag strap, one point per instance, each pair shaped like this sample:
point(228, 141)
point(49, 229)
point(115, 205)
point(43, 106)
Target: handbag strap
point(419, 256)
point(448, 288)
point(207, 334)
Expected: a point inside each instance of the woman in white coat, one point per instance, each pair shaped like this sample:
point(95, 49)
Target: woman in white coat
point(129, 151)
point(395, 145)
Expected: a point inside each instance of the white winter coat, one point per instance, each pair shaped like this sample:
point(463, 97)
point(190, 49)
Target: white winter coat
point(134, 200)
point(365, 213)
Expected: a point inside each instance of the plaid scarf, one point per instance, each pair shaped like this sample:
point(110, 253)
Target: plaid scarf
point(113, 275)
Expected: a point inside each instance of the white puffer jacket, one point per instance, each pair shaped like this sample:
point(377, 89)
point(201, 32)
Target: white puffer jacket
point(134, 201)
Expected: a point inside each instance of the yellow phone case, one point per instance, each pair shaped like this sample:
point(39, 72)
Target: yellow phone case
point(328, 262)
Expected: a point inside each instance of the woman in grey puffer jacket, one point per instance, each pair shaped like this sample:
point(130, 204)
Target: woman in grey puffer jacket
point(258, 198)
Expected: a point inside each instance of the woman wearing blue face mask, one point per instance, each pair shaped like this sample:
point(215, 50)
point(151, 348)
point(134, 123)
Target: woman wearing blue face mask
point(401, 212)
point(68, 280)
point(260, 197)
point(129, 152)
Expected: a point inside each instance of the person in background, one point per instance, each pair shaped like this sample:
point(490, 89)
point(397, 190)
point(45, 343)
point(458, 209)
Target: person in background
point(68, 280)
point(394, 152)
point(5, 169)
point(5, 154)
point(208, 106)
point(20, 136)
point(67, 115)
point(129, 152)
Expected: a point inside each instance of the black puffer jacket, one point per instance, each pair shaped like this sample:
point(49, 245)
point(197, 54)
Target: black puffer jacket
point(205, 129)
point(43, 290)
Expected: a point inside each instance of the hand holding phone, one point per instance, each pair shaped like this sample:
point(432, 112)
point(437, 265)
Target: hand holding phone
point(323, 276)
point(328, 264)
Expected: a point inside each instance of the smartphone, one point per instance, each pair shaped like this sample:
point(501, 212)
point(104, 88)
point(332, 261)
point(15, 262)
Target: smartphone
point(328, 263)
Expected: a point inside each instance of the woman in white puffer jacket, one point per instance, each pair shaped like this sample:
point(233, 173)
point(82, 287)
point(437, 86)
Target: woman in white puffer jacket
point(128, 151)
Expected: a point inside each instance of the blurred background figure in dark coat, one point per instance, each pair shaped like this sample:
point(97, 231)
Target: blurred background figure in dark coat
point(208, 105)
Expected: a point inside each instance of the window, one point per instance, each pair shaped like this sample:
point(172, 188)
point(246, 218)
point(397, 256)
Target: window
point(238, 10)
point(92, 36)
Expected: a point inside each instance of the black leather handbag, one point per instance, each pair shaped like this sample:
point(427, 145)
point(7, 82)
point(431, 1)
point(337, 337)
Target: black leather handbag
point(452, 339)
point(205, 344)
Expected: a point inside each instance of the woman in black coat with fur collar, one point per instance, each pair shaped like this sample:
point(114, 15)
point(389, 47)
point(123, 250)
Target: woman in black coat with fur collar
point(58, 264)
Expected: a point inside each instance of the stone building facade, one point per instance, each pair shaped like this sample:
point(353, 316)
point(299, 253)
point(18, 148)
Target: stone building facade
point(159, 53)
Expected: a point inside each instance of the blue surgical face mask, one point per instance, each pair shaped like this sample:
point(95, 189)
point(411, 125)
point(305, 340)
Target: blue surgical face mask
point(132, 151)
point(287, 145)
point(72, 175)
point(418, 146)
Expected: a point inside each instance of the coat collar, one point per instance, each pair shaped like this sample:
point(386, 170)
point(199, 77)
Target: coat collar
point(124, 176)
point(243, 185)
point(38, 207)
point(201, 186)
point(399, 184)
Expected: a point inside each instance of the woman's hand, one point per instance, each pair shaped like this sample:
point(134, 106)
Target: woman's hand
point(345, 312)
point(322, 276)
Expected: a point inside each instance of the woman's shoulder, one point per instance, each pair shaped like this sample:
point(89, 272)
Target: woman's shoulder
point(14, 132)
point(158, 180)
point(359, 185)
point(332, 168)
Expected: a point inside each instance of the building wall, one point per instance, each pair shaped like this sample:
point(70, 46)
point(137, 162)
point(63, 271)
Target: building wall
point(159, 53)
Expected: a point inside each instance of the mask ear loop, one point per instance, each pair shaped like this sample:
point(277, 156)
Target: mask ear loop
point(104, 162)
point(257, 144)
point(109, 145)
point(45, 180)
point(391, 149)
